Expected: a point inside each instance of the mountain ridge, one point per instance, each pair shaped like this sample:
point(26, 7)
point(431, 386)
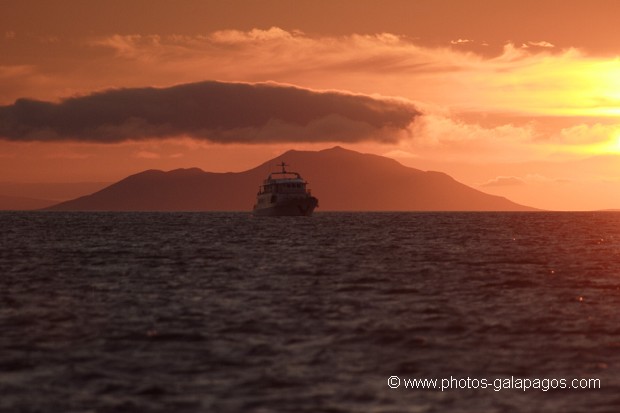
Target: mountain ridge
point(342, 179)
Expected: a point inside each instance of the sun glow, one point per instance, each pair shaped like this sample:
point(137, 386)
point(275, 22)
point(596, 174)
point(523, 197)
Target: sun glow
point(592, 88)
point(607, 147)
point(569, 84)
point(601, 81)
point(614, 145)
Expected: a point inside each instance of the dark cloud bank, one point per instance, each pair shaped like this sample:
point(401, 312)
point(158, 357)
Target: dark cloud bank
point(214, 111)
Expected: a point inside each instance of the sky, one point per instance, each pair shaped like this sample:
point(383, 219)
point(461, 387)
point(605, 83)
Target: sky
point(514, 98)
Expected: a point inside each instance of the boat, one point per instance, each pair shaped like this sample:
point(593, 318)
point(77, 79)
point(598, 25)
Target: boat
point(284, 193)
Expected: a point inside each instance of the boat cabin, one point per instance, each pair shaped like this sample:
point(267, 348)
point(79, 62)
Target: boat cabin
point(283, 182)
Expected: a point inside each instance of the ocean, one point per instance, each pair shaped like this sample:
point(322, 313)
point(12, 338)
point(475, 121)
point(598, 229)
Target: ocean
point(339, 312)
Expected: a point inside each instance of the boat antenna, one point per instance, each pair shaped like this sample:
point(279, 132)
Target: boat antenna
point(283, 165)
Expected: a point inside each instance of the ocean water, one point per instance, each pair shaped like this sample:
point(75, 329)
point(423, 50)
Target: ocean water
point(224, 312)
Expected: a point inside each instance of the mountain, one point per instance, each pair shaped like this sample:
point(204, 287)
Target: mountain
point(342, 180)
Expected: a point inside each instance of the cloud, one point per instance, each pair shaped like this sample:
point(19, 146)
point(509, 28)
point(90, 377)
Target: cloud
point(538, 81)
point(253, 36)
point(541, 44)
point(400, 154)
point(534, 77)
point(503, 181)
point(465, 75)
point(8, 72)
point(585, 134)
point(442, 132)
point(147, 155)
point(219, 112)
point(527, 179)
point(461, 41)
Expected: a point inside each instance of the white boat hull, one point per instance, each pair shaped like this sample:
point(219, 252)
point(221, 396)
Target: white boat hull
point(288, 207)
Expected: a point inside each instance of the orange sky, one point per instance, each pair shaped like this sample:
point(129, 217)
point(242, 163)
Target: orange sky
point(517, 98)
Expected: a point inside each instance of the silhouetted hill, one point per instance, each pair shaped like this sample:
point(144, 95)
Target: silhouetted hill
point(342, 180)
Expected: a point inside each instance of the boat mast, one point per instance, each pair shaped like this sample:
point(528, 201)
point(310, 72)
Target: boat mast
point(283, 165)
